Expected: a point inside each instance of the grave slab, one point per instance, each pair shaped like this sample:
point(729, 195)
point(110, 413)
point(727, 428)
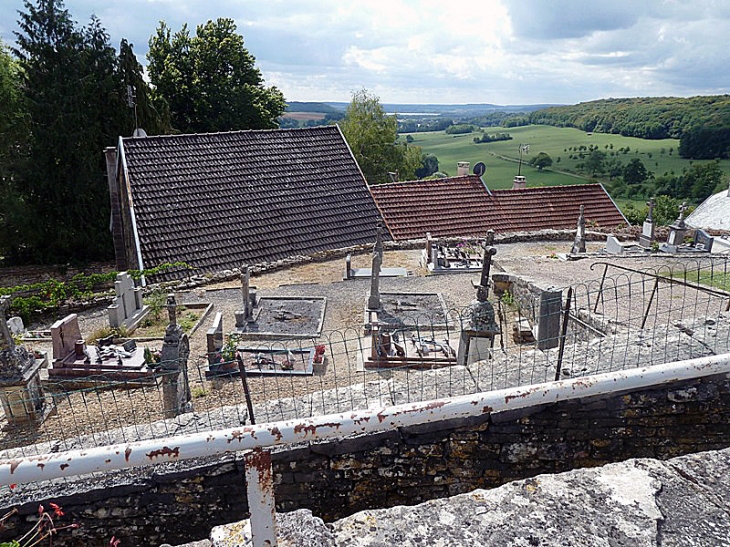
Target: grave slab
point(285, 317)
point(400, 310)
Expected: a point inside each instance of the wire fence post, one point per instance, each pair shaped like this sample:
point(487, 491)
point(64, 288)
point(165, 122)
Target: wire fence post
point(246, 390)
point(563, 332)
point(651, 299)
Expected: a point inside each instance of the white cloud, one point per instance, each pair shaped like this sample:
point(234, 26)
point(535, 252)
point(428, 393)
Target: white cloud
point(499, 51)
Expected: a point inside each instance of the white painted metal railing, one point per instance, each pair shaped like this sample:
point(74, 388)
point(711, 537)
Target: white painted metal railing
point(258, 437)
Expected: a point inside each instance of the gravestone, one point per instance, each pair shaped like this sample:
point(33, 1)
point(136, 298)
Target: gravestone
point(21, 392)
point(677, 231)
point(16, 326)
point(579, 245)
point(128, 309)
point(214, 337)
point(174, 365)
point(646, 239)
point(614, 246)
point(480, 319)
point(374, 298)
point(703, 241)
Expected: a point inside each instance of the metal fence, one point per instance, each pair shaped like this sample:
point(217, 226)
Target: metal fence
point(625, 318)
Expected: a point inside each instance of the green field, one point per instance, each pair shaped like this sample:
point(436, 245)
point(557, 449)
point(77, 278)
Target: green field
point(501, 157)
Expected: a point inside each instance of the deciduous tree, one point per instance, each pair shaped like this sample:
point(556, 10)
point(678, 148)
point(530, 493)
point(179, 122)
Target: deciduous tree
point(210, 80)
point(541, 161)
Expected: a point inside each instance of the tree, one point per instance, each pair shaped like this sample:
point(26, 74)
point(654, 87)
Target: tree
point(429, 167)
point(74, 99)
point(701, 180)
point(372, 136)
point(595, 162)
point(210, 80)
point(13, 142)
point(635, 172)
point(541, 161)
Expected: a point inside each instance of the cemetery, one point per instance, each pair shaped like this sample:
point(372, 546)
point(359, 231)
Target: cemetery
point(305, 341)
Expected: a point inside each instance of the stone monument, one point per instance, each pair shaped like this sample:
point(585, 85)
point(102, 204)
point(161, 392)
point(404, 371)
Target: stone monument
point(128, 309)
point(677, 230)
point(646, 239)
point(21, 392)
point(579, 245)
point(174, 365)
point(480, 321)
point(374, 298)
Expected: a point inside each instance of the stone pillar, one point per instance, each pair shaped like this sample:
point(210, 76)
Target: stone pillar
point(245, 315)
point(174, 365)
point(374, 299)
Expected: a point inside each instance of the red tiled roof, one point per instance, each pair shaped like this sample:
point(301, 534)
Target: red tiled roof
point(456, 206)
point(462, 206)
point(216, 201)
point(557, 207)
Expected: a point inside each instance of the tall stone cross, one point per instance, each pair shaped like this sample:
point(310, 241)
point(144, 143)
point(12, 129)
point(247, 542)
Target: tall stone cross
point(374, 299)
point(172, 309)
point(682, 209)
point(489, 252)
point(579, 245)
point(650, 216)
point(6, 339)
point(245, 292)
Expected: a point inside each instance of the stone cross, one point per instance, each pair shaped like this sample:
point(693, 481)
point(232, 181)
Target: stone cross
point(579, 245)
point(245, 292)
point(6, 339)
point(172, 309)
point(651, 203)
point(682, 209)
point(374, 299)
point(489, 252)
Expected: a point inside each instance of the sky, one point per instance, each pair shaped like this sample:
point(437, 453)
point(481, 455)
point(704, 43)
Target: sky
point(506, 52)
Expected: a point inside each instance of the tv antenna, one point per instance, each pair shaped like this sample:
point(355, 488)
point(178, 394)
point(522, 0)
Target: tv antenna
point(132, 103)
point(524, 149)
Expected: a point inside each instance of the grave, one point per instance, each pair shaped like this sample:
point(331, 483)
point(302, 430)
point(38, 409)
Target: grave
point(261, 361)
point(128, 310)
point(441, 258)
point(703, 241)
point(646, 239)
point(274, 317)
point(21, 391)
point(365, 273)
point(72, 358)
point(614, 246)
point(480, 321)
point(579, 244)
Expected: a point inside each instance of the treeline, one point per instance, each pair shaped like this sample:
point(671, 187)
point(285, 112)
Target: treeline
point(66, 94)
point(420, 124)
point(495, 137)
point(701, 123)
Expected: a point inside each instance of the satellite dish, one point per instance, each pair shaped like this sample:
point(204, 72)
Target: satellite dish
point(480, 169)
point(139, 132)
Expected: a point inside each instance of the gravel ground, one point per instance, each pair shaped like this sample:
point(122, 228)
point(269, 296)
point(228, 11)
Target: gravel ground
point(95, 411)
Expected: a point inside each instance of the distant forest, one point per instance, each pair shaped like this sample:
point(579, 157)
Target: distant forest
point(702, 124)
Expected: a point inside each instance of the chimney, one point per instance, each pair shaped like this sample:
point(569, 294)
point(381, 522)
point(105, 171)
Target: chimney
point(520, 183)
point(462, 168)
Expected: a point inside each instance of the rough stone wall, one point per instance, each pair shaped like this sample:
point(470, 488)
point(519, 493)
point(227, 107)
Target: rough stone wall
point(177, 503)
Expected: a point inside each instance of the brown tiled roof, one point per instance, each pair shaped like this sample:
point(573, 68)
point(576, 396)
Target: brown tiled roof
point(556, 207)
point(455, 206)
point(219, 200)
point(462, 206)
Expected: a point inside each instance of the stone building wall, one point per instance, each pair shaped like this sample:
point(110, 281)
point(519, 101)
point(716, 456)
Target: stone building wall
point(181, 502)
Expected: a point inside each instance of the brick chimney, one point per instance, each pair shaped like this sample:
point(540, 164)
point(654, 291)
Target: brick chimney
point(462, 168)
point(520, 183)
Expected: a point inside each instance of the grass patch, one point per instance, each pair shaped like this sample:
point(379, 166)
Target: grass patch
point(153, 326)
point(714, 280)
point(501, 158)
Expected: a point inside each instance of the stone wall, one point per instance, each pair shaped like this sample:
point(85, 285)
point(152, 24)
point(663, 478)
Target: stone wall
point(177, 503)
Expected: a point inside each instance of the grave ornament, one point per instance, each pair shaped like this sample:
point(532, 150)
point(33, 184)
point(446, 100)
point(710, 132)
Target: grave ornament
point(647, 232)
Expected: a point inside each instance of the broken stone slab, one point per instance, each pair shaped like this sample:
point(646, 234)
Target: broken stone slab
point(640, 502)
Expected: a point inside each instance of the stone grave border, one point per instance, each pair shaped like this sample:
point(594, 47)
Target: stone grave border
point(272, 335)
point(449, 323)
point(207, 307)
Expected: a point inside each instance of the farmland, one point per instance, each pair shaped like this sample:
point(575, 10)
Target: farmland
point(659, 156)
